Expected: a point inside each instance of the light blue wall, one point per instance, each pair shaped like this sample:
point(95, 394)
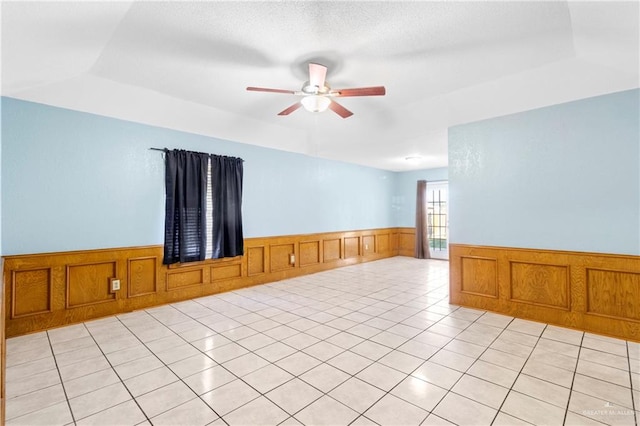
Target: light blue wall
point(404, 202)
point(563, 177)
point(1, 252)
point(74, 181)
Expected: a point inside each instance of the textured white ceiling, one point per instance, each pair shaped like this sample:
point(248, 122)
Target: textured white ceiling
point(185, 65)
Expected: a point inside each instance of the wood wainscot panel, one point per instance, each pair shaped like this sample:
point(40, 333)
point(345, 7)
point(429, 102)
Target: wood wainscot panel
point(30, 292)
point(256, 260)
point(368, 245)
point(395, 242)
point(613, 293)
point(540, 284)
point(178, 279)
point(281, 257)
point(383, 243)
point(142, 274)
point(331, 250)
point(593, 292)
point(407, 242)
point(3, 359)
point(309, 253)
point(479, 276)
point(55, 289)
point(226, 272)
point(351, 247)
point(89, 283)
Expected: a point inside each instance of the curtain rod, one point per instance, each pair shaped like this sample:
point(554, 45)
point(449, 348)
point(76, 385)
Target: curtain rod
point(166, 149)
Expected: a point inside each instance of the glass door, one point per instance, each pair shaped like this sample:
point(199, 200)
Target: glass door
point(438, 219)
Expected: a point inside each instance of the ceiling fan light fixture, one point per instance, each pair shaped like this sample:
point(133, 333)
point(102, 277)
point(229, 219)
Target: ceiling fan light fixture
point(315, 103)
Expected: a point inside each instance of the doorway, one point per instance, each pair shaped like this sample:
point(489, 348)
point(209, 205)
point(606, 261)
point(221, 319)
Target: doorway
point(438, 219)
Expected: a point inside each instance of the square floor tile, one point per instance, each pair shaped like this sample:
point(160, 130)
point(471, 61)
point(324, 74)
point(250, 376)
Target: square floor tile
point(245, 364)
point(465, 348)
point(419, 392)
point(192, 413)
point(381, 376)
point(226, 353)
point(267, 378)
point(96, 401)
point(345, 340)
point(281, 332)
point(503, 419)
point(604, 358)
point(389, 339)
point(503, 359)
point(82, 368)
point(127, 355)
point(481, 391)
point(188, 366)
point(275, 351)
point(126, 413)
point(34, 401)
point(357, 394)
point(260, 411)
point(326, 411)
point(418, 349)
point(209, 379)
point(324, 377)
point(323, 350)
point(542, 390)
point(90, 382)
point(437, 374)
point(371, 350)
point(618, 395)
point(300, 341)
point(453, 360)
point(294, 395)
point(32, 383)
point(460, 410)
point(532, 410)
point(149, 381)
point(298, 363)
point(230, 396)
point(603, 372)
point(165, 398)
point(350, 362)
point(239, 333)
point(57, 414)
point(391, 410)
point(401, 361)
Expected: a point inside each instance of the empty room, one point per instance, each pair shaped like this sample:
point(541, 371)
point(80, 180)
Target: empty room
point(320, 213)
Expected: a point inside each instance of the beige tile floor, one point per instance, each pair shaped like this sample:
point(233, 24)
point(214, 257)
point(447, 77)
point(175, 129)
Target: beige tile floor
point(374, 343)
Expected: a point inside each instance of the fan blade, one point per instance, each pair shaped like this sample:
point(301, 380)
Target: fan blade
point(263, 89)
point(290, 109)
point(340, 110)
point(362, 91)
point(317, 74)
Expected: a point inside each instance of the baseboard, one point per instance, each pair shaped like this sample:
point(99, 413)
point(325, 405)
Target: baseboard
point(593, 292)
point(49, 290)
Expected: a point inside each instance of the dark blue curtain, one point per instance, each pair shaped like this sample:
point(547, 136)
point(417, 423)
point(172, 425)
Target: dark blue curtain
point(226, 187)
point(185, 214)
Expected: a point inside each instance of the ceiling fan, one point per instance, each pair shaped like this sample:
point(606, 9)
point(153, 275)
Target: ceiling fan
point(317, 95)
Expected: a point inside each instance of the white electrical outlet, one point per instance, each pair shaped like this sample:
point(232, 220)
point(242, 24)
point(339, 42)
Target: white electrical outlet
point(366, 246)
point(292, 259)
point(115, 285)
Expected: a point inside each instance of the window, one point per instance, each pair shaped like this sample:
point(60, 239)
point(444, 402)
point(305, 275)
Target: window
point(203, 216)
point(438, 219)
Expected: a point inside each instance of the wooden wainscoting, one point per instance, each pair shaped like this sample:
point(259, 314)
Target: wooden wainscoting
point(407, 241)
point(53, 289)
point(3, 359)
point(599, 293)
